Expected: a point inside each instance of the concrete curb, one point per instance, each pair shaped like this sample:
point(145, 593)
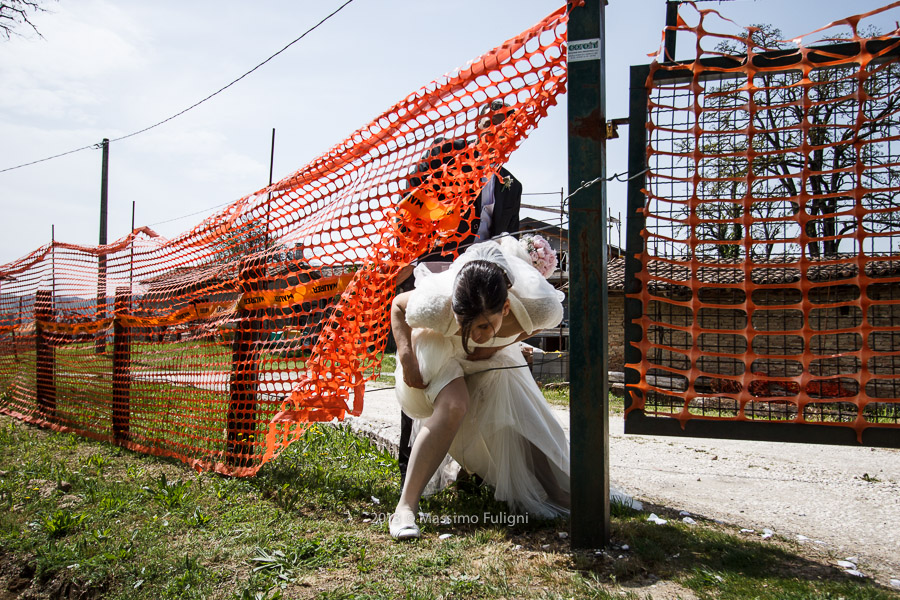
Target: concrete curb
point(382, 434)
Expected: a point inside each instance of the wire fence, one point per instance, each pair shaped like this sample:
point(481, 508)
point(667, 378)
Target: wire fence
point(768, 257)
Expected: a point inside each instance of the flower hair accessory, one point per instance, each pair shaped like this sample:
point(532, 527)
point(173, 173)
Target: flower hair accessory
point(543, 256)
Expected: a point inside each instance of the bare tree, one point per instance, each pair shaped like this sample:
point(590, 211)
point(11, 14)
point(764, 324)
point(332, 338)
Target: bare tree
point(762, 148)
point(18, 13)
point(245, 238)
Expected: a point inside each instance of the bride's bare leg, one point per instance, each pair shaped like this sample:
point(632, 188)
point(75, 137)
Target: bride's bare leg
point(544, 474)
point(433, 442)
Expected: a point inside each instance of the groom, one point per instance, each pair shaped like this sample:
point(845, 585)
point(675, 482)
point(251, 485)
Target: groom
point(497, 207)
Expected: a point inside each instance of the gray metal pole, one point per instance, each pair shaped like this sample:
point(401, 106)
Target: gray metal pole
point(588, 297)
point(104, 188)
point(562, 278)
point(101, 261)
point(269, 200)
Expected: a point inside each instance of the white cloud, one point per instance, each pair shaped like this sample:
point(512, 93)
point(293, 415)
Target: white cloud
point(72, 70)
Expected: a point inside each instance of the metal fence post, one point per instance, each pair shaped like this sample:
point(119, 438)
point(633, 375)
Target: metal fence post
point(588, 294)
point(100, 347)
point(634, 224)
point(45, 355)
point(121, 365)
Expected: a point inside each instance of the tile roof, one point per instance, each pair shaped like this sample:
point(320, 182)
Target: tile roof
point(784, 270)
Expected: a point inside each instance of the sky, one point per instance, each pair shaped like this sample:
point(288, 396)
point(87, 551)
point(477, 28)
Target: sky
point(107, 68)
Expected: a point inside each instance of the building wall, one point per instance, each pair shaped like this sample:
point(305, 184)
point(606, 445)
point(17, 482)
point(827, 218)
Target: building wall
point(616, 334)
point(615, 340)
point(774, 329)
point(778, 332)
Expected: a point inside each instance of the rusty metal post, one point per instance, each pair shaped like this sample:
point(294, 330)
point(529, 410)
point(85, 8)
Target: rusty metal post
point(245, 367)
point(588, 296)
point(45, 355)
point(121, 365)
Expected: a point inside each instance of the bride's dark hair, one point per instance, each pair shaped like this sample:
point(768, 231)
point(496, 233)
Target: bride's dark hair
point(480, 289)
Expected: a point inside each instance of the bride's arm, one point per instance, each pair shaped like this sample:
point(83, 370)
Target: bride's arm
point(403, 336)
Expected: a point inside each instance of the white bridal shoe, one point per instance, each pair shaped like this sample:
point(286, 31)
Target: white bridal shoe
point(403, 527)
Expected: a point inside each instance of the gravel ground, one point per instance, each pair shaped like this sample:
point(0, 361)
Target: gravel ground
point(843, 500)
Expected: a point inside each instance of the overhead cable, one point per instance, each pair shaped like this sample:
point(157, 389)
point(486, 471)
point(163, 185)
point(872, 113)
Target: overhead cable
point(195, 105)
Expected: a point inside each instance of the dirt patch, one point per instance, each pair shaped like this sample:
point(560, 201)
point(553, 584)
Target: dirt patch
point(16, 577)
point(660, 590)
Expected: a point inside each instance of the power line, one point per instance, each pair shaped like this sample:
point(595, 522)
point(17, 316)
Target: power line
point(40, 160)
point(616, 177)
point(222, 89)
point(200, 212)
point(195, 105)
point(584, 185)
point(193, 214)
point(620, 177)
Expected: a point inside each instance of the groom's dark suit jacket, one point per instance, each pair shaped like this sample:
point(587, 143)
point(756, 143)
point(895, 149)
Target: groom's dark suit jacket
point(507, 201)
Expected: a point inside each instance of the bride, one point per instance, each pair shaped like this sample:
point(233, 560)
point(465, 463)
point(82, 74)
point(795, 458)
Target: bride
point(461, 372)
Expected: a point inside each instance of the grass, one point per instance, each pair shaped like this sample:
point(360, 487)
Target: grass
point(198, 356)
point(85, 519)
point(383, 367)
point(382, 364)
point(558, 395)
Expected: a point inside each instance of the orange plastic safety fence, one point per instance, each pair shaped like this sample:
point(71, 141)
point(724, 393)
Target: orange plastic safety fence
point(770, 278)
point(220, 346)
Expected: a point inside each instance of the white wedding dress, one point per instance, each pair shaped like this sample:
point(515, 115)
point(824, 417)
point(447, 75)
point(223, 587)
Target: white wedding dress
point(509, 436)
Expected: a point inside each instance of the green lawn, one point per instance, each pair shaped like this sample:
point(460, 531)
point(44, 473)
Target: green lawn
point(81, 518)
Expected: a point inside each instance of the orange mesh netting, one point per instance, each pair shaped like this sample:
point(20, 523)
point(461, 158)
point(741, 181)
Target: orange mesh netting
point(220, 346)
point(770, 276)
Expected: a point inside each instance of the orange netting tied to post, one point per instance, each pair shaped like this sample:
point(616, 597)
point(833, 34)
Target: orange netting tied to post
point(770, 271)
point(220, 346)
